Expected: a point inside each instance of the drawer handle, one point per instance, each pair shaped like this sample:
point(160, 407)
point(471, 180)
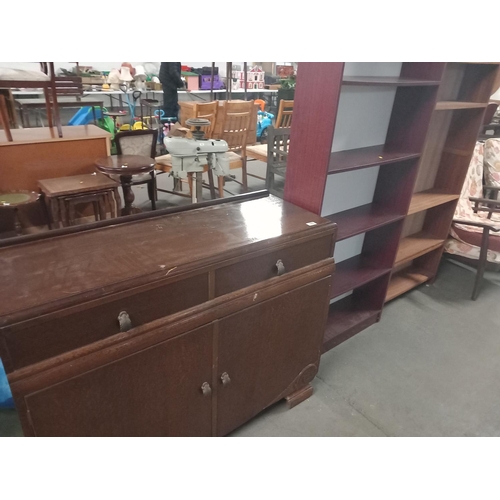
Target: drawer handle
point(281, 267)
point(225, 379)
point(206, 389)
point(124, 320)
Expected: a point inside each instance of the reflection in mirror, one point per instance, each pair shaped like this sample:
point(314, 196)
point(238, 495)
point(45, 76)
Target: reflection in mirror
point(132, 140)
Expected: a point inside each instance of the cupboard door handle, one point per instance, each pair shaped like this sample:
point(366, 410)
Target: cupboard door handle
point(206, 389)
point(281, 267)
point(225, 379)
point(124, 320)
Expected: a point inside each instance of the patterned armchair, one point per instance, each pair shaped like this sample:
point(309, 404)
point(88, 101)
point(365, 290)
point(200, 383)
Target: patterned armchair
point(475, 233)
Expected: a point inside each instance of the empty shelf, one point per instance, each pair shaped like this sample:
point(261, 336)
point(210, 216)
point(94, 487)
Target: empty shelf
point(428, 199)
point(353, 273)
point(361, 219)
point(403, 281)
point(451, 105)
point(387, 80)
point(344, 321)
point(415, 245)
point(352, 159)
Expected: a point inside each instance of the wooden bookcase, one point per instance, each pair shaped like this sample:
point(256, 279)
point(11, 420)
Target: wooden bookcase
point(456, 121)
point(358, 134)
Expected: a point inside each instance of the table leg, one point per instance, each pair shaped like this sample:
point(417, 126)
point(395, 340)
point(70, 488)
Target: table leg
point(102, 206)
point(63, 212)
point(17, 224)
point(128, 195)
point(199, 186)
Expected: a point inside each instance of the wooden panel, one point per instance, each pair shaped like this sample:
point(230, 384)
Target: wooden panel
point(155, 392)
point(428, 199)
point(268, 356)
point(352, 159)
point(53, 334)
point(263, 267)
point(316, 101)
point(426, 70)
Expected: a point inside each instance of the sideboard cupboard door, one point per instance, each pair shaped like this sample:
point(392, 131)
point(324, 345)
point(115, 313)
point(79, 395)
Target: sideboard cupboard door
point(164, 390)
point(269, 351)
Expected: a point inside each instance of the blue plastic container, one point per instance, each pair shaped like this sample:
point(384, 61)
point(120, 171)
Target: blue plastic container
point(6, 400)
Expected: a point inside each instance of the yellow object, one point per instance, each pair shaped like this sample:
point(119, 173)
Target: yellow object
point(105, 86)
point(139, 126)
point(124, 127)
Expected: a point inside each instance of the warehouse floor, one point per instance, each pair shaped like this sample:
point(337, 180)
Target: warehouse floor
point(431, 367)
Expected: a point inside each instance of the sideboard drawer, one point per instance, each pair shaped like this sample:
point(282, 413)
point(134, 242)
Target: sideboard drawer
point(56, 333)
point(253, 270)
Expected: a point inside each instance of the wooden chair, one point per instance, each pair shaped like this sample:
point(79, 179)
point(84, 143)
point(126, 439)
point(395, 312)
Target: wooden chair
point(139, 142)
point(278, 143)
point(4, 118)
point(285, 112)
point(208, 111)
point(475, 233)
point(65, 86)
point(48, 86)
point(235, 123)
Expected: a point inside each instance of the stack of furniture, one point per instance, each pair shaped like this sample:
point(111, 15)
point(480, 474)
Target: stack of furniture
point(180, 322)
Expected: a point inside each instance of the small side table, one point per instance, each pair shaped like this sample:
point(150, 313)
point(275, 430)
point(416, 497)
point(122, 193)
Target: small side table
point(126, 166)
point(12, 200)
point(62, 194)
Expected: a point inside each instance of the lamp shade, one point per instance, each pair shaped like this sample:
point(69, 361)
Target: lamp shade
point(125, 75)
point(139, 72)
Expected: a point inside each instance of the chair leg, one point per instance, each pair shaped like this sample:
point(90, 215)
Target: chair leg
point(481, 264)
point(244, 173)
point(152, 191)
point(190, 183)
point(211, 183)
point(48, 108)
point(220, 180)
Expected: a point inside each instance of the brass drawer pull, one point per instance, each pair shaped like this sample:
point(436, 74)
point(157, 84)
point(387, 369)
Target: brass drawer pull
point(225, 379)
point(124, 320)
point(281, 267)
point(206, 389)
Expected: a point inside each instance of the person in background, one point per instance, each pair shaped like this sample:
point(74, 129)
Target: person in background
point(170, 79)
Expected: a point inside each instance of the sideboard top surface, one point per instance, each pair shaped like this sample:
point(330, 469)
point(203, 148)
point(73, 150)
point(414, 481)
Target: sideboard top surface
point(72, 265)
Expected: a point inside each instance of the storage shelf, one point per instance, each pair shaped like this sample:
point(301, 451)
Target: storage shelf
point(451, 105)
point(428, 199)
point(344, 321)
point(361, 219)
point(388, 80)
point(353, 273)
point(403, 281)
point(415, 245)
point(352, 159)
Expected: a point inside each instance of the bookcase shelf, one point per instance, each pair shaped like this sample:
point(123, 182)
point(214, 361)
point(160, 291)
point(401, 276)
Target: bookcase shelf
point(362, 219)
point(452, 105)
point(388, 81)
point(463, 96)
point(353, 273)
point(428, 199)
point(352, 159)
point(395, 116)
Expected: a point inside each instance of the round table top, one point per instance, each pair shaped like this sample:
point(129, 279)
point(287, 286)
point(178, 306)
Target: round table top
point(125, 164)
point(16, 198)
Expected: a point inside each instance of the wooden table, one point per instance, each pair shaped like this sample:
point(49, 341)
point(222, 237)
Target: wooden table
point(62, 193)
point(13, 200)
point(126, 166)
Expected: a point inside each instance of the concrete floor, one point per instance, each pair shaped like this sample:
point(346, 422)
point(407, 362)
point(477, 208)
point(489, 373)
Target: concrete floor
point(431, 367)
